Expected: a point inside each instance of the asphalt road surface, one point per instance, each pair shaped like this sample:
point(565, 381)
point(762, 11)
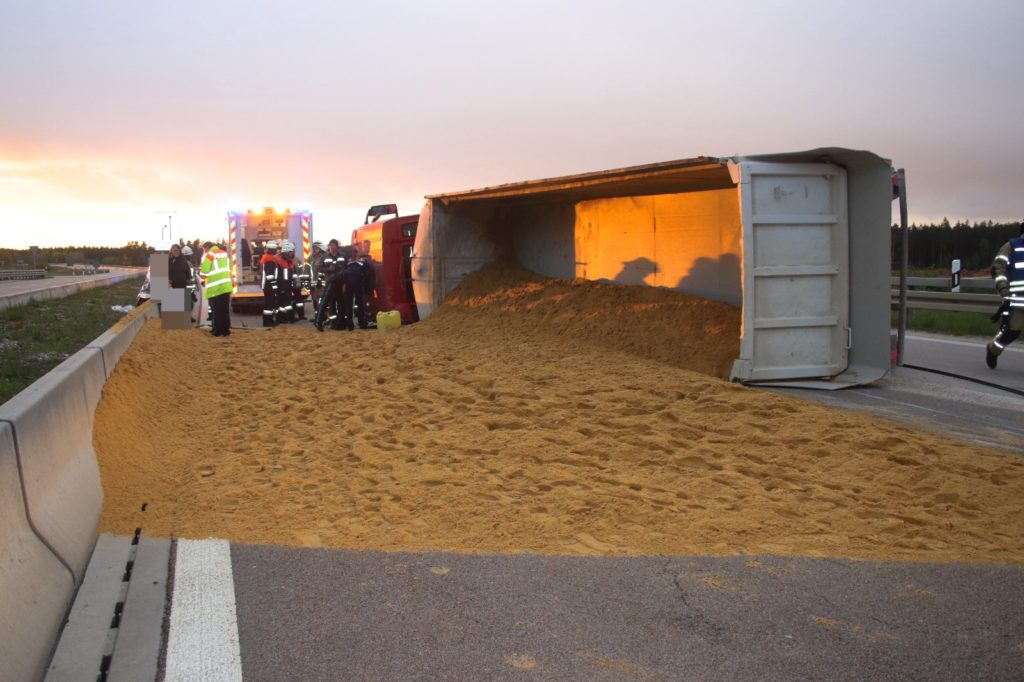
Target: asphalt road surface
point(959, 407)
point(20, 291)
point(344, 615)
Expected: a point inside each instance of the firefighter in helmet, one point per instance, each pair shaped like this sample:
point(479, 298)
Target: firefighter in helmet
point(286, 282)
point(317, 290)
point(270, 267)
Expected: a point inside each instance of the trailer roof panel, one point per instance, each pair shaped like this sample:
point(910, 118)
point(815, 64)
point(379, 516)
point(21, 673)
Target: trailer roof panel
point(667, 177)
point(684, 175)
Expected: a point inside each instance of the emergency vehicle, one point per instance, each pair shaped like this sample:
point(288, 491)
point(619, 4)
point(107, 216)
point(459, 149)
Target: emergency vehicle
point(248, 231)
point(391, 246)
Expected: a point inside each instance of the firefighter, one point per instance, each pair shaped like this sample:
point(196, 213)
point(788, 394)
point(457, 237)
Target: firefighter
point(301, 288)
point(269, 266)
point(217, 287)
point(317, 290)
point(332, 266)
point(1008, 273)
point(372, 294)
point(354, 296)
point(287, 282)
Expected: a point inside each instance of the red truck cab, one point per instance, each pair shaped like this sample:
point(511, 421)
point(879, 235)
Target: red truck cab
point(390, 245)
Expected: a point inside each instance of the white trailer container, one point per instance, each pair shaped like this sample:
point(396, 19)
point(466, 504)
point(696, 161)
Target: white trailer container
point(800, 241)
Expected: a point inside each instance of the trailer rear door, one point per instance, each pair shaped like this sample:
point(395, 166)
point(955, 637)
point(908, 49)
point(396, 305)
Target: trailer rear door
point(795, 271)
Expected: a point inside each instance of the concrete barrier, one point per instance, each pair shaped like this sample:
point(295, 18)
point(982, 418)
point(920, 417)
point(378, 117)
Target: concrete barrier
point(62, 289)
point(50, 497)
point(115, 341)
point(52, 425)
point(35, 587)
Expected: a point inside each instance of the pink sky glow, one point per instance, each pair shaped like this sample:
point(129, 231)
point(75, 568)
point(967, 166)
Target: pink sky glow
point(113, 113)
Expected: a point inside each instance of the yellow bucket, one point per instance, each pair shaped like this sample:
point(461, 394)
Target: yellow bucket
point(390, 319)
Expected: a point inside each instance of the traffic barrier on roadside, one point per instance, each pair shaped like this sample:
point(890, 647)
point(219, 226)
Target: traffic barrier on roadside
point(115, 341)
point(35, 587)
point(62, 289)
point(52, 425)
point(22, 274)
point(50, 497)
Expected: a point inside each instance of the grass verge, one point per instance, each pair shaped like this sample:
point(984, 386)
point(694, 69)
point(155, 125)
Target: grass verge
point(38, 336)
point(946, 322)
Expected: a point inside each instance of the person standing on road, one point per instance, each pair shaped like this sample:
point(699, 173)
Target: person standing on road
point(179, 270)
point(332, 265)
point(372, 295)
point(1008, 273)
point(317, 290)
point(186, 253)
point(286, 283)
point(270, 266)
point(216, 275)
point(355, 291)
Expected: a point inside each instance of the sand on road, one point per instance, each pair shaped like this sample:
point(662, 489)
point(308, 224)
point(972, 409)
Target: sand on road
point(529, 415)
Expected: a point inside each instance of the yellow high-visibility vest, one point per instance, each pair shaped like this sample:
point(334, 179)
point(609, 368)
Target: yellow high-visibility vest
point(216, 273)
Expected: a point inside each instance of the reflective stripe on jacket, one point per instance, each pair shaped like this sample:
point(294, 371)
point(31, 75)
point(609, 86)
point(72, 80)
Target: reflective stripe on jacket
point(1015, 272)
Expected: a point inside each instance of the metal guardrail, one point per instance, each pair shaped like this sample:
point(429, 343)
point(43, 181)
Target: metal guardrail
point(947, 300)
point(979, 283)
point(22, 274)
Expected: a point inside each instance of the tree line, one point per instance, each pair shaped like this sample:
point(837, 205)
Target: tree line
point(935, 246)
point(132, 253)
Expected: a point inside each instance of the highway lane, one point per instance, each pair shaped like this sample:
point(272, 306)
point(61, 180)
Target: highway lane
point(21, 291)
point(341, 615)
point(956, 407)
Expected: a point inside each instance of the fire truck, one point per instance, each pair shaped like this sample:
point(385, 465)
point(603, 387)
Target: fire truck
point(248, 232)
point(391, 244)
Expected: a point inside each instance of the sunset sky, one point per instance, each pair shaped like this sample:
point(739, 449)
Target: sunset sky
point(113, 112)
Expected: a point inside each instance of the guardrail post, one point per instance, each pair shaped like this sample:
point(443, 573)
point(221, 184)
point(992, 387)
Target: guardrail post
point(901, 186)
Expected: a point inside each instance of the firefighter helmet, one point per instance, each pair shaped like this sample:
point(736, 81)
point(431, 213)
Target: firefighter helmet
point(287, 247)
point(319, 245)
point(271, 245)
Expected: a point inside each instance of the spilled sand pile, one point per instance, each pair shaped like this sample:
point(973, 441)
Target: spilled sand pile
point(528, 415)
point(654, 323)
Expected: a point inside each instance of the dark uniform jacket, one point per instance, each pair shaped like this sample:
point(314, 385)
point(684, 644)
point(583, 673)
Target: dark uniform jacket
point(179, 271)
point(332, 266)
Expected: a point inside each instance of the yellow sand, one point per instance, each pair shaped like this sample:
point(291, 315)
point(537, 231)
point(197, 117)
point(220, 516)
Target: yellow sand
point(529, 415)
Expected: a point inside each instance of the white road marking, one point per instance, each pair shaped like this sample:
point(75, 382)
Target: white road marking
point(203, 639)
point(976, 344)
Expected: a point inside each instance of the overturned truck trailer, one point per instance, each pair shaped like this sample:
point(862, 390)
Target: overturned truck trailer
point(800, 241)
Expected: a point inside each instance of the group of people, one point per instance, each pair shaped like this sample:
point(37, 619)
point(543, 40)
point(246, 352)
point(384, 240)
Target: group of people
point(214, 273)
point(345, 288)
point(339, 280)
point(285, 284)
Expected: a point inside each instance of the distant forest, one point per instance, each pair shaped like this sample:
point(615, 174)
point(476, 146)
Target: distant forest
point(935, 246)
point(132, 253)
